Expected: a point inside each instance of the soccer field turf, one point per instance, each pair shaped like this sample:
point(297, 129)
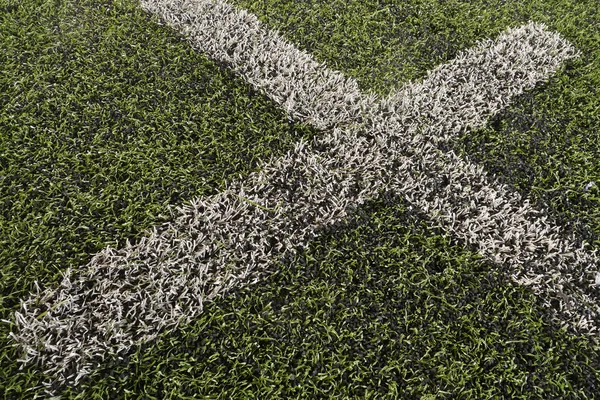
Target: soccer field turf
point(110, 121)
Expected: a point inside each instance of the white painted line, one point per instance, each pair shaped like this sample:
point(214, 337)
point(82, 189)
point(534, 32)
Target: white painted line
point(128, 296)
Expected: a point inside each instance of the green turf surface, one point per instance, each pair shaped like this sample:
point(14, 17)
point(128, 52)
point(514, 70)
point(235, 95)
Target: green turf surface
point(102, 129)
point(107, 118)
point(381, 307)
point(547, 144)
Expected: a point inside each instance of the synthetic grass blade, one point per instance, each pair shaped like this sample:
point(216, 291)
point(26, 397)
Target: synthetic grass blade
point(128, 296)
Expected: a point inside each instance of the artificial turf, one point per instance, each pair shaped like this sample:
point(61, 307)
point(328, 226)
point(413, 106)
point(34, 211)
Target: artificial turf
point(108, 119)
point(384, 306)
point(546, 144)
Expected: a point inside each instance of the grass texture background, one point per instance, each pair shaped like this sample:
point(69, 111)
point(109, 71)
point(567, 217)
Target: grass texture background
point(108, 118)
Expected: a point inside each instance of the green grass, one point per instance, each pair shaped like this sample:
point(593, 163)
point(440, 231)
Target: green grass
point(384, 44)
point(384, 306)
point(108, 118)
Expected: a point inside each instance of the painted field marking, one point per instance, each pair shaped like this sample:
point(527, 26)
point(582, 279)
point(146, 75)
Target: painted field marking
point(127, 296)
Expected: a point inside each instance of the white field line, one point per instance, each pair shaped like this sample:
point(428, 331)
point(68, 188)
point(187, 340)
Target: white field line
point(128, 296)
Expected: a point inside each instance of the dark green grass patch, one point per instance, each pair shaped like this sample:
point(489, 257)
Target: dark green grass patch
point(108, 119)
point(383, 307)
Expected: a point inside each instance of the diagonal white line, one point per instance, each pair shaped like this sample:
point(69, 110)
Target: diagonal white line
point(127, 296)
